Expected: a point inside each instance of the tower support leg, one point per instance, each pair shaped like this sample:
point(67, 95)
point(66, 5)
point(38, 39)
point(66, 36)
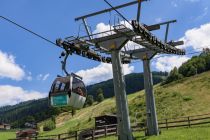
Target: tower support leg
point(152, 123)
point(124, 128)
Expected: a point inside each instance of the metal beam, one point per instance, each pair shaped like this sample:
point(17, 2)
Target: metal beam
point(167, 28)
point(177, 43)
point(106, 10)
point(87, 28)
point(157, 26)
point(141, 50)
point(153, 27)
point(152, 42)
point(139, 10)
point(167, 22)
point(166, 34)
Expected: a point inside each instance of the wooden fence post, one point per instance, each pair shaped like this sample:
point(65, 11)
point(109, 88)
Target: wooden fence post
point(93, 134)
point(167, 123)
point(105, 129)
point(188, 121)
point(76, 135)
point(59, 136)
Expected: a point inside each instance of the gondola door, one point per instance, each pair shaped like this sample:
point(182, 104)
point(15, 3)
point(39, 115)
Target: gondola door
point(78, 93)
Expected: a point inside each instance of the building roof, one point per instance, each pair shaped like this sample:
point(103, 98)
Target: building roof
point(4, 124)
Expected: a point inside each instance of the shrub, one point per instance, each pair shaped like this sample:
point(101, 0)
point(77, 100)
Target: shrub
point(49, 125)
point(89, 100)
point(100, 95)
point(175, 94)
point(187, 98)
point(173, 76)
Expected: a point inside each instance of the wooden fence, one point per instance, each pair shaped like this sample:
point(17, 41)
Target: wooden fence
point(185, 121)
point(108, 130)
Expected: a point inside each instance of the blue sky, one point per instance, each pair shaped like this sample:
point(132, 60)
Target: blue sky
point(29, 64)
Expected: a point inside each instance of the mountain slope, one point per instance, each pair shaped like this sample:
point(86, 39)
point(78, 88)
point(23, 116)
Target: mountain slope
point(30, 111)
point(189, 96)
point(134, 83)
point(38, 110)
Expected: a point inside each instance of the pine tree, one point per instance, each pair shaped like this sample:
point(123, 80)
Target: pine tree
point(89, 100)
point(100, 95)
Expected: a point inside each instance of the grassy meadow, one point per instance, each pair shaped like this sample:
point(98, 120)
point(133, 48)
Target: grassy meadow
point(189, 96)
point(196, 133)
point(5, 135)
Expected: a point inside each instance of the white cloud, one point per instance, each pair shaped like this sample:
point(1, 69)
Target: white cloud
point(104, 71)
point(197, 38)
point(42, 77)
point(39, 77)
point(174, 4)
point(45, 77)
point(132, 46)
point(192, 0)
point(8, 67)
point(10, 95)
point(29, 76)
point(158, 20)
point(203, 14)
point(167, 63)
point(101, 27)
point(101, 73)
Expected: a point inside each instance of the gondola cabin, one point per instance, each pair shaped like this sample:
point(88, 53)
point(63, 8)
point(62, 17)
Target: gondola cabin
point(68, 91)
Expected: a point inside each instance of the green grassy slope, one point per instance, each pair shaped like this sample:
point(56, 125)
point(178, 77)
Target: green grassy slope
point(196, 133)
point(38, 110)
point(135, 78)
point(4, 135)
point(189, 96)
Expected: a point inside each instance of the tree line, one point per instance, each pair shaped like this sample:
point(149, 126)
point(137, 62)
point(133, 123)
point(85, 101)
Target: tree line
point(196, 65)
point(39, 110)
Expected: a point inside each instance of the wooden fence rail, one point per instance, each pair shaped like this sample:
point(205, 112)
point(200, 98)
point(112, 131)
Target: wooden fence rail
point(108, 130)
point(185, 121)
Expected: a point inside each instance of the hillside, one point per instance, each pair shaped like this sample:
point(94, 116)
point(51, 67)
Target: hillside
point(38, 110)
point(137, 80)
point(189, 96)
point(30, 111)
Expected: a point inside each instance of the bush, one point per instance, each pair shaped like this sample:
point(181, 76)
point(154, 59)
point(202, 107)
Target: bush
point(176, 94)
point(196, 65)
point(100, 95)
point(187, 98)
point(89, 100)
point(173, 76)
point(49, 125)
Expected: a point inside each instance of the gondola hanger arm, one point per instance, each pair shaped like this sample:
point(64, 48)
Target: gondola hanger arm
point(65, 55)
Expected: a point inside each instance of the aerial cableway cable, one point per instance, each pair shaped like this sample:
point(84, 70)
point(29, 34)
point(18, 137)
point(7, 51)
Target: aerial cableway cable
point(117, 12)
point(28, 30)
point(71, 47)
point(51, 42)
point(71, 88)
